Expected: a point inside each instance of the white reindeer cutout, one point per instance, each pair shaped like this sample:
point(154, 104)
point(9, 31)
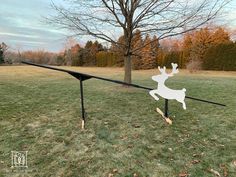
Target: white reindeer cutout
point(164, 91)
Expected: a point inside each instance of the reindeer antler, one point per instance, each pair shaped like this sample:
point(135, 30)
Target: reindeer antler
point(174, 69)
point(162, 70)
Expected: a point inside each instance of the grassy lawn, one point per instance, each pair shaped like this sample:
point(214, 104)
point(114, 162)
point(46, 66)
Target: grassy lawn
point(40, 113)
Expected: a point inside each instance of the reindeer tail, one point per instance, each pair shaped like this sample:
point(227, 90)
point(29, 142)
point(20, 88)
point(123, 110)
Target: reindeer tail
point(184, 89)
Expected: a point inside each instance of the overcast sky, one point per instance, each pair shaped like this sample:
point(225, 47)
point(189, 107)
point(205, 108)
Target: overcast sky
point(22, 26)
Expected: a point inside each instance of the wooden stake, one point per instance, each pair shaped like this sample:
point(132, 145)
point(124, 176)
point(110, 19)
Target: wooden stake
point(82, 125)
point(167, 119)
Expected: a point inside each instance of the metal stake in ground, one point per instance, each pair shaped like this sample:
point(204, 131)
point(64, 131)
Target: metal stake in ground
point(165, 114)
point(166, 107)
point(82, 101)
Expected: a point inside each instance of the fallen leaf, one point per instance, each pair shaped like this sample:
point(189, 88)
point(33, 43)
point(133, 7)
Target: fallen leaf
point(115, 170)
point(136, 126)
point(225, 170)
point(124, 137)
point(195, 161)
point(234, 163)
point(221, 145)
point(197, 155)
point(183, 174)
point(110, 175)
point(115, 146)
point(130, 146)
point(216, 173)
point(136, 135)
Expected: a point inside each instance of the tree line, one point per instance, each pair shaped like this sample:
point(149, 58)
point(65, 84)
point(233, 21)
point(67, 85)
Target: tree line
point(206, 48)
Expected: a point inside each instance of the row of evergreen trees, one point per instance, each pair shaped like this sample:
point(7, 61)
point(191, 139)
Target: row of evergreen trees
point(210, 49)
point(95, 54)
point(81, 56)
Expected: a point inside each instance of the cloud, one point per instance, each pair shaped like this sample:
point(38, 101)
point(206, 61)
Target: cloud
point(18, 35)
point(21, 24)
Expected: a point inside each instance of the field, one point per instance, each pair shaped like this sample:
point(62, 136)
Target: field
point(124, 136)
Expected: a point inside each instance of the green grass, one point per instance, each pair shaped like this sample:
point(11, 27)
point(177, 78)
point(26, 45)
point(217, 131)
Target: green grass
point(40, 113)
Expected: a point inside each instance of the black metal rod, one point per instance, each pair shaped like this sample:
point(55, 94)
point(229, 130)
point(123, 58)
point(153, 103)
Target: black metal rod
point(110, 80)
point(166, 107)
point(82, 99)
point(205, 101)
point(86, 75)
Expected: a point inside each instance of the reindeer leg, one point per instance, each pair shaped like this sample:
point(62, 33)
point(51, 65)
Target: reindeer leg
point(184, 105)
point(153, 94)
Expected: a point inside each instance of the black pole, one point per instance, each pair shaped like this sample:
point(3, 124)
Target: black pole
point(82, 98)
point(166, 107)
point(87, 76)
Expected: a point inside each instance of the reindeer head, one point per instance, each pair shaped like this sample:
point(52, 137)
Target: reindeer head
point(163, 76)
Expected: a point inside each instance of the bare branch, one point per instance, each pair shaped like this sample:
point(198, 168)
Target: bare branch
point(165, 18)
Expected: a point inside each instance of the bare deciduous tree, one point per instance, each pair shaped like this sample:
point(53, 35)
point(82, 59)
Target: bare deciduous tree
point(104, 19)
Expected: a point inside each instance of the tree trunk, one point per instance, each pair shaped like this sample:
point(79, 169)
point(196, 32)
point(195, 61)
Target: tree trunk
point(128, 67)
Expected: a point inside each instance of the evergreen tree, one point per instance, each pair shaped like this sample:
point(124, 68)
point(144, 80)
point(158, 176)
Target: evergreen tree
point(91, 49)
point(220, 36)
point(3, 49)
point(221, 57)
point(186, 48)
point(88, 44)
point(148, 59)
point(155, 46)
point(137, 55)
point(202, 40)
point(118, 50)
point(1, 55)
